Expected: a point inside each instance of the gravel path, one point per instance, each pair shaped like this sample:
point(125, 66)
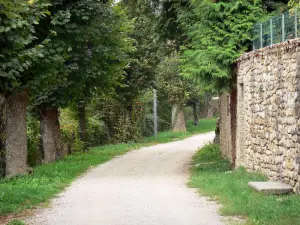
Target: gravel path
point(143, 187)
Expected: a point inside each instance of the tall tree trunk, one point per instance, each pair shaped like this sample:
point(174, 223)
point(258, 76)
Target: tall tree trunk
point(82, 125)
point(195, 114)
point(178, 119)
point(40, 153)
point(233, 119)
point(208, 105)
point(16, 134)
point(2, 136)
point(217, 132)
point(50, 132)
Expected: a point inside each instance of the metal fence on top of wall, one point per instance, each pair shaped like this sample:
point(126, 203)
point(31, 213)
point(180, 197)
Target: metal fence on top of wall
point(277, 29)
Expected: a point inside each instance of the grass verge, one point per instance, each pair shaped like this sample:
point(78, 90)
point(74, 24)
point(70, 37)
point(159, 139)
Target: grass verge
point(204, 126)
point(211, 174)
point(21, 193)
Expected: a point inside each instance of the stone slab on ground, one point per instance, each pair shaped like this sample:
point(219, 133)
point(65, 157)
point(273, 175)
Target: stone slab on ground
point(271, 187)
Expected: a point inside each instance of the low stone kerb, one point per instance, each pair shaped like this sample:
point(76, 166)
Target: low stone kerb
point(271, 187)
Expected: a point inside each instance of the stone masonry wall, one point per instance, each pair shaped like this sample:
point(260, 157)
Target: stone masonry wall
point(268, 112)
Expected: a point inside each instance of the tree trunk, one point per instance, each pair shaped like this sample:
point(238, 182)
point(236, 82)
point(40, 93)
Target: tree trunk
point(50, 132)
point(233, 119)
point(82, 125)
point(195, 114)
point(16, 134)
point(208, 105)
point(178, 119)
point(217, 132)
point(2, 136)
point(40, 153)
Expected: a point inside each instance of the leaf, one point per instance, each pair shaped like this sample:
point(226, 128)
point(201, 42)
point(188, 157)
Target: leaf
point(7, 75)
point(10, 15)
point(48, 13)
point(52, 32)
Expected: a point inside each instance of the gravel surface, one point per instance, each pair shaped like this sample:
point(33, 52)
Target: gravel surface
point(143, 187)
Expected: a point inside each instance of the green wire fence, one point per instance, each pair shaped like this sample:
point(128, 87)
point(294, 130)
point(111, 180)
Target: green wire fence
point(277, 29)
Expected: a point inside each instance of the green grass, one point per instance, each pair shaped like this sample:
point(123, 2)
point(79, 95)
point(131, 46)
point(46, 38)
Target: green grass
point(15, 222)
point(205, 125)
point(21, 193)
point(211, 174)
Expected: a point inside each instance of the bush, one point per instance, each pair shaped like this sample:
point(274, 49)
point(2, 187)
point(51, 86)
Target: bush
point(33, 141)
point(148, 125)
point(69, 129)
point(96, 131)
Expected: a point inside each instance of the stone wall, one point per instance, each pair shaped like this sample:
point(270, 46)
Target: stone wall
point(225, 126)
point(268, 112)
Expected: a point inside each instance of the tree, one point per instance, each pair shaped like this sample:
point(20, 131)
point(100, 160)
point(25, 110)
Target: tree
point(124, 115)
point(101, 53)
point(170, 81)
point(85, 58)
point(19, 49)
point(218, 36)
point(2, 136)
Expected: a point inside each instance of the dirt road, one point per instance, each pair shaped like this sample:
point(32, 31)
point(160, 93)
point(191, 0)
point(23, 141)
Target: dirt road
point(143, 187)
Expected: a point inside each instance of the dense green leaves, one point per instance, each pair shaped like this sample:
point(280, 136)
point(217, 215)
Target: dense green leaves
point(170, 82)
point(221, 32)
point(19, 47)
point(87, 55)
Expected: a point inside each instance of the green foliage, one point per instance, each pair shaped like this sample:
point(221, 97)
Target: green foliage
point(211, 174)
point(294, 4)
point(204, 126)
point(88, 54)
point(168, 28)
point(96, 130)
point(69, 129)
point(33, 134)
point(220, 33)
point(19, 48)
point(275, 5)
point(16, 222)
point(170, 81)
point(176, 88)
point(123, 120)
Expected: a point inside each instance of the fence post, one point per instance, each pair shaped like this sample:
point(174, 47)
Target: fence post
point(155, 112)
point(271, 31)
point(261, 39)
point(296, 24)
point(283, 28)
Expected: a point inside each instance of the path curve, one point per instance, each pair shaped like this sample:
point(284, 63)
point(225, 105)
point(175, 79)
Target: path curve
point(142, 187)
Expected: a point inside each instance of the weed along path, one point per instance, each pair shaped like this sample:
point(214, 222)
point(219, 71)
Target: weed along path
point(143, 187)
